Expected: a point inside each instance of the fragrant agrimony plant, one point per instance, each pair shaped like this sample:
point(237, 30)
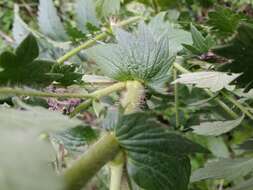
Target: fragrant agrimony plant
point(129, 120)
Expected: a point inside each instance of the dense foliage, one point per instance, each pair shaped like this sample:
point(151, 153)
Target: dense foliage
point(126, 94)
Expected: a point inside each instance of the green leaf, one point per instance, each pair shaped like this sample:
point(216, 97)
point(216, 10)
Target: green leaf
point(215, 81)
point(224, 21)
point(105, 8)
point(49, 22)
point(239, 50)
point(229, 169)
point(75, 139)
point(112, 118)
point(160, 27)
point(138, 56)
point(245, 185)
point(152, 171)
point(216, 128)
point(156, 156)
point(20, 29)
point(21, 68)
point(86, 13)
point(201, 44)
point(35, 119)
point(68, 74)
point(25, 162)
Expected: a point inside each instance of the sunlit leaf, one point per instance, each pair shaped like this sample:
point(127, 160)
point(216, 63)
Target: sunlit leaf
point(217, 127)
point(138, 56)
point(215, 81)
point(224, 169)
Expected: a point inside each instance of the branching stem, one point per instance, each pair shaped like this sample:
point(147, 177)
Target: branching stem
point(229, 111)
point(91, 162)
point(94, 40)
point(176, 98)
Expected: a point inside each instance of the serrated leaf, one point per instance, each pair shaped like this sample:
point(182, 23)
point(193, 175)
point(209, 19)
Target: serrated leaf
point(239, 50)
point(86, 13)
point(48, 47)
point(156, 156)
point(19, 29)
point(224, 169)
point(216, 128)
point(224, 21)
point(49, 22)
point(21, 68)
point(76, 138)
point(160, 27)
point(136, 57)
point(68, 74)
point(154, 171)
point(201, 44)
point(105, 8)
point(215, 81)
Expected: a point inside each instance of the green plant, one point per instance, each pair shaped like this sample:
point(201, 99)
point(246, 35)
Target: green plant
point(130, 121)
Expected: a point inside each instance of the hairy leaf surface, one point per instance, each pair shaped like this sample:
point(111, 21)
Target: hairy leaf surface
point(224, 169)
point(216, 128)
point(157, 157)
point(137, 56)
point(215, 81)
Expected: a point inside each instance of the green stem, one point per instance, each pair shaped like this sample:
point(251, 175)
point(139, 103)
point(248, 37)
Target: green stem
point(79, 174)
point(117, 167)
point(81, 107)
point(108, 90)
point(94, 95)
point(24, 92)
point(130, 102)
point(237, 104)
point(132, 97)
point(155, 6)
point(94, 40)
point(229, 111)
point(176, 98)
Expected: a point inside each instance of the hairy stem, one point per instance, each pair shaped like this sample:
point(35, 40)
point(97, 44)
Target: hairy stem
point(132, 97)
point(93, 41)
point(79, 174)
point(94, 95)
point(176, 98)
point(237, 104)
point(130, 102)
point(117, 167)
point(228, 110)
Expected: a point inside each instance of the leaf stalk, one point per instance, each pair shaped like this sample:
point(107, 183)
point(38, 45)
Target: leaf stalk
point(94, 40)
